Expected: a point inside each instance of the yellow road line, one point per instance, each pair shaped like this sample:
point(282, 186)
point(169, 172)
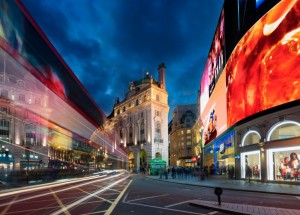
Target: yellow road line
point(8, 206)
point(114, 204)
point(65, 210)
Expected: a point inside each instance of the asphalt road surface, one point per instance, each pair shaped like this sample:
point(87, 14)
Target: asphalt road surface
point(124, 194)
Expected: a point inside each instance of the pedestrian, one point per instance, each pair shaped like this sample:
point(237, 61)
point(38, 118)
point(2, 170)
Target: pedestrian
point(166, 172)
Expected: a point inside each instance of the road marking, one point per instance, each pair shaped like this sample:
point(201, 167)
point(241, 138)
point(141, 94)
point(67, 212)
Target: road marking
point(8, 206)
point(60, 203)
point(48, 193)
point(179, 203)
point(163, 208)
point(114, 204)
point(95, 196)
point(297, 197)
point(214, 212)
point(76, 203)
point(150, 197)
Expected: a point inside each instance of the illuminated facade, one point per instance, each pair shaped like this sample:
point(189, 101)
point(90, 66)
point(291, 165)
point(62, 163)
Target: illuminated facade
point(43, 124)
point(141, 120)
point(182, 137)
point(250, 115)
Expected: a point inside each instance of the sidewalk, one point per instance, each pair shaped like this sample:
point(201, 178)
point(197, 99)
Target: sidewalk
point(231, 184)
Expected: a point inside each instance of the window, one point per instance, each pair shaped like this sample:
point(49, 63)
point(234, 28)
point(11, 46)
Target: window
point(5, 110)
point(22, 97)
point(157, 97)
point(157, 113)
point(124, 108)
point(188, 131)
point(142, 115)
point(37, 101)
point(4, 93)
point(158, 127)
point(20, 83)
point(136, 102)
point(188, 143)
point(284, 130)
point(142, 131)
point(188, 137)
point(4, 128)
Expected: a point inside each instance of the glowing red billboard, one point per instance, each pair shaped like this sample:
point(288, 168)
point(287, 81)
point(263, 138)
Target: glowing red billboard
point(263, 70)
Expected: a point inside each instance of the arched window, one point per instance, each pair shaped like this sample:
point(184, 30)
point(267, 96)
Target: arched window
point(251, 137)
point(30, 135)
point(284, 130)
point(136, 102)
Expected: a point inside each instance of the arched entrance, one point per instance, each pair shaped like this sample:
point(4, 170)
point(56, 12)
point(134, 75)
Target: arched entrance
point(131, 161)
point(143, 160)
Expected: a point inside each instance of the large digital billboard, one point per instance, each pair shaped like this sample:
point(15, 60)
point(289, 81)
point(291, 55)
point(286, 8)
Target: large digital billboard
point(214, 64)
point(214, 117)
point(263, 70)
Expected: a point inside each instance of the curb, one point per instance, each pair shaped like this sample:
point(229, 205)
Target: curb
point(227, 188)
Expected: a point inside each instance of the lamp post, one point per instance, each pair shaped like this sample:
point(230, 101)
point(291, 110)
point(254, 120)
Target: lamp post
point(201, 146)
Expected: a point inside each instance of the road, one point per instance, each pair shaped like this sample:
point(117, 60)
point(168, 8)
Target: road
point(126, 194)
point(150, 197)
point(90, 195)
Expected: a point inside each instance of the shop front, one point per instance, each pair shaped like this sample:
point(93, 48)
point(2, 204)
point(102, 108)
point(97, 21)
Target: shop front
point(219, 155)
point(274, 157)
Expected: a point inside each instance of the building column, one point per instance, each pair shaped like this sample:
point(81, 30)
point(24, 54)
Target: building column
point(263, 163)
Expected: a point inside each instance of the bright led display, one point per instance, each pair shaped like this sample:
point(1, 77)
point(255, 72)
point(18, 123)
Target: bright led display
point(263, 70)
point(214, 64)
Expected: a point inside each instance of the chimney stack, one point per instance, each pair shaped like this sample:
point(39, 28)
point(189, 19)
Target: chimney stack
point(162, 75)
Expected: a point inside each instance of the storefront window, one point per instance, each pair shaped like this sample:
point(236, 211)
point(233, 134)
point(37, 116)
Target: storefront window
point(250, 163)
point(251, 137)
point(284, 130)
point(283, 164)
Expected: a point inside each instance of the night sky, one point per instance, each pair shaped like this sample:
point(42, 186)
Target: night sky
point(107, 44)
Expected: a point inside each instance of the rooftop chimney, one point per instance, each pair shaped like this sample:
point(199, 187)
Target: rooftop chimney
point(162, 75)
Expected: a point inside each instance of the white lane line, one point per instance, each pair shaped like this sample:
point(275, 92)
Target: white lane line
point(150, 197)
point(57, 191)
point(98, 197)
point(114, 204)
point(163, 208)
point(214, 212)
point(298, 197)
point(124, 199)
point(179, 203)
point(78, 202)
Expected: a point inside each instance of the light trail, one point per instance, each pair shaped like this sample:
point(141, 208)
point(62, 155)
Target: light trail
point(57, 191)
point(76, 203)
point(43, 186)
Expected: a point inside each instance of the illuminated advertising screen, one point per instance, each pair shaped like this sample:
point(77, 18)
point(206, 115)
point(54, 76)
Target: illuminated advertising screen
point(24, 41)
point(263, 69)
point(214, 64)
point(214, 116)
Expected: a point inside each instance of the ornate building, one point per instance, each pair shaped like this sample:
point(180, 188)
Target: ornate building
point(183, 136)
point(141, 120)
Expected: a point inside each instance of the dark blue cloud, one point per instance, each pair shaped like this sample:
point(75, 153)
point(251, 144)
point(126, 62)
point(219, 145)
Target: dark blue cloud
point(109, 43)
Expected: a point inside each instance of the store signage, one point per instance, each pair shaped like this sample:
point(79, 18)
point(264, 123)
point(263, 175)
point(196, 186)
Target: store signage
point(222, 148)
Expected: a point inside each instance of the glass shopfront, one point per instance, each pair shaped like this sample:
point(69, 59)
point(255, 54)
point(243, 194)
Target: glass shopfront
point(251, 165)
point(285, 164)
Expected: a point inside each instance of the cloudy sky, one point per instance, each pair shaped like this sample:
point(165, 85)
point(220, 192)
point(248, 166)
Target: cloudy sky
point(107, 44)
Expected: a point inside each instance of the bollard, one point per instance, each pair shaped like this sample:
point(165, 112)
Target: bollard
point(218, 192)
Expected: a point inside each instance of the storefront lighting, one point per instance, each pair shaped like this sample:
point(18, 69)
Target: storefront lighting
point(249, 132)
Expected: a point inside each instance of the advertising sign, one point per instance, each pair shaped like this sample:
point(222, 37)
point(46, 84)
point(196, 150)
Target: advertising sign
point(214, 64)
point(263, 70)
